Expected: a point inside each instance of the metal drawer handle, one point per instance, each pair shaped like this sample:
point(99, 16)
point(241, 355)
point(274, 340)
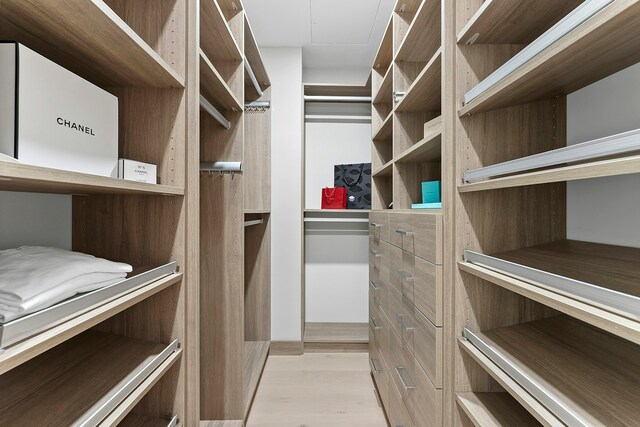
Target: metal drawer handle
point(375, 225)
point(372, 362)
point(407, 385)
point(402, 324)
point(405, 233)
point(373, 322)
point(406, 277)
point(375, 253)
point(373, 285)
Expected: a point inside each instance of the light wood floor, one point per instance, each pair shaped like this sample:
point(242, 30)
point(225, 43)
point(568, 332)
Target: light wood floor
point(317, 390)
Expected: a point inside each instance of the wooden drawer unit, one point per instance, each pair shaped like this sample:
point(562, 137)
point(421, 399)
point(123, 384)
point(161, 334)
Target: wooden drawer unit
point(379, 225)
point(419, 281)
point(379, 255)
point(397, 411)
point(419, 234)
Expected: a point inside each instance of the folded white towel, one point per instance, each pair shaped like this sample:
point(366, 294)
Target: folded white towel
point(31, 270)
point(83, 283)
point(46, 299)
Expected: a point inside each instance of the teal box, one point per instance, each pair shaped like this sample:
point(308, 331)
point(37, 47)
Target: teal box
point(431, 192)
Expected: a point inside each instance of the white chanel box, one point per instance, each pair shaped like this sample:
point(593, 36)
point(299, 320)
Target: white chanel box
point(137, 171)
point(50, 117)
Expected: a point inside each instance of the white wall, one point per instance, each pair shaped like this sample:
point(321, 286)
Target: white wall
point(605, 210)
point(344, 76)
point(34, 219)
point(284, 65)
point(336, 262)
point(330, 144)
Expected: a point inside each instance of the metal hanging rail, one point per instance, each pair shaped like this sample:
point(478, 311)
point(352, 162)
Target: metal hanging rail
point(319, 98)
point(221, 167)
point(621, 143)
point(258, 104)
point(252, 76)
point(253, 222)
point(213, 112)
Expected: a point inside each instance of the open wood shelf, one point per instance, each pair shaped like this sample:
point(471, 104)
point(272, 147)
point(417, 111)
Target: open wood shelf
point(591, 264)
point(602, 168)
point(137, 420)
point(216, 38)
point(514, 21)
point(570, 367)
point(103, 49)
point(605, 43)
point(255, 357)
point(384, 94)
point(423, 35)
point(385, 170)
point(214, 88)
point(252, 53)
point(257, 211)
point(29, 348)
point(428, 149)
point(384, 55)
point(80, 377)
point(27, 178)
point(494, 409)
point(385, 130)
point(425, 94)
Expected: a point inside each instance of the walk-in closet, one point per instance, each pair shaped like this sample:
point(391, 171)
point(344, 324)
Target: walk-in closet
point(319, 213)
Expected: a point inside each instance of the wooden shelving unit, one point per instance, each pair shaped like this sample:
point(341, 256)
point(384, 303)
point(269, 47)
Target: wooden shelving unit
point(147, 56)
point(513, 22)
point(235, 238)
point(423, 35)
point(105, 49)
point(510, 246)
point(425, 92)
point(577, 60)
point(89, 370)
point(215, 88)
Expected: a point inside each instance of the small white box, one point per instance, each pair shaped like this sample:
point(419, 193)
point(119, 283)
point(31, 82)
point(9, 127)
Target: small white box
point(137, 171)
point(52, 118)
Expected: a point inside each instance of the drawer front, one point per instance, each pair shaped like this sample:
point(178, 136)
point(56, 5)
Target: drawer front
point(379, 289)
point(379, 255)
point(419, 234)
point(396, 310)
point(427, 348)
point(375, 323)
point(379, 225)
point(398, 413)
point(421, 282)
point(427, 407)
point(380, 374)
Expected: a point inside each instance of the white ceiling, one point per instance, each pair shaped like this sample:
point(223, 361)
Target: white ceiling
point(334, 34)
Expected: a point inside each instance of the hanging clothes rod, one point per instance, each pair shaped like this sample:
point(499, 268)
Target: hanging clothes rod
point(221, 167)
point(258, 104)
point(213, 112)
point(253, 222)
point(252, 76)
point(318, 98)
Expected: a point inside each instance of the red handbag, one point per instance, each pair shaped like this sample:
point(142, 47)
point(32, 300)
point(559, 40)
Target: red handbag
point(334, 198)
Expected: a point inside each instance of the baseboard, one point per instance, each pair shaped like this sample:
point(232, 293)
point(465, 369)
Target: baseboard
point(286, 348)
point(336, 347)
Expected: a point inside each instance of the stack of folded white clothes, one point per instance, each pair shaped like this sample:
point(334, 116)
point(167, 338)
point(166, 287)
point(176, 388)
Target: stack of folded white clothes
point(33, 278)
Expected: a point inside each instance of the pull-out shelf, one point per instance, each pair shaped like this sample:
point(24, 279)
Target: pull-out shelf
point(82, 381)
point(560, 367)
point(34, 323)
point(599, 284)
point(622, 143)
point(579, 15)
point(136, 420)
